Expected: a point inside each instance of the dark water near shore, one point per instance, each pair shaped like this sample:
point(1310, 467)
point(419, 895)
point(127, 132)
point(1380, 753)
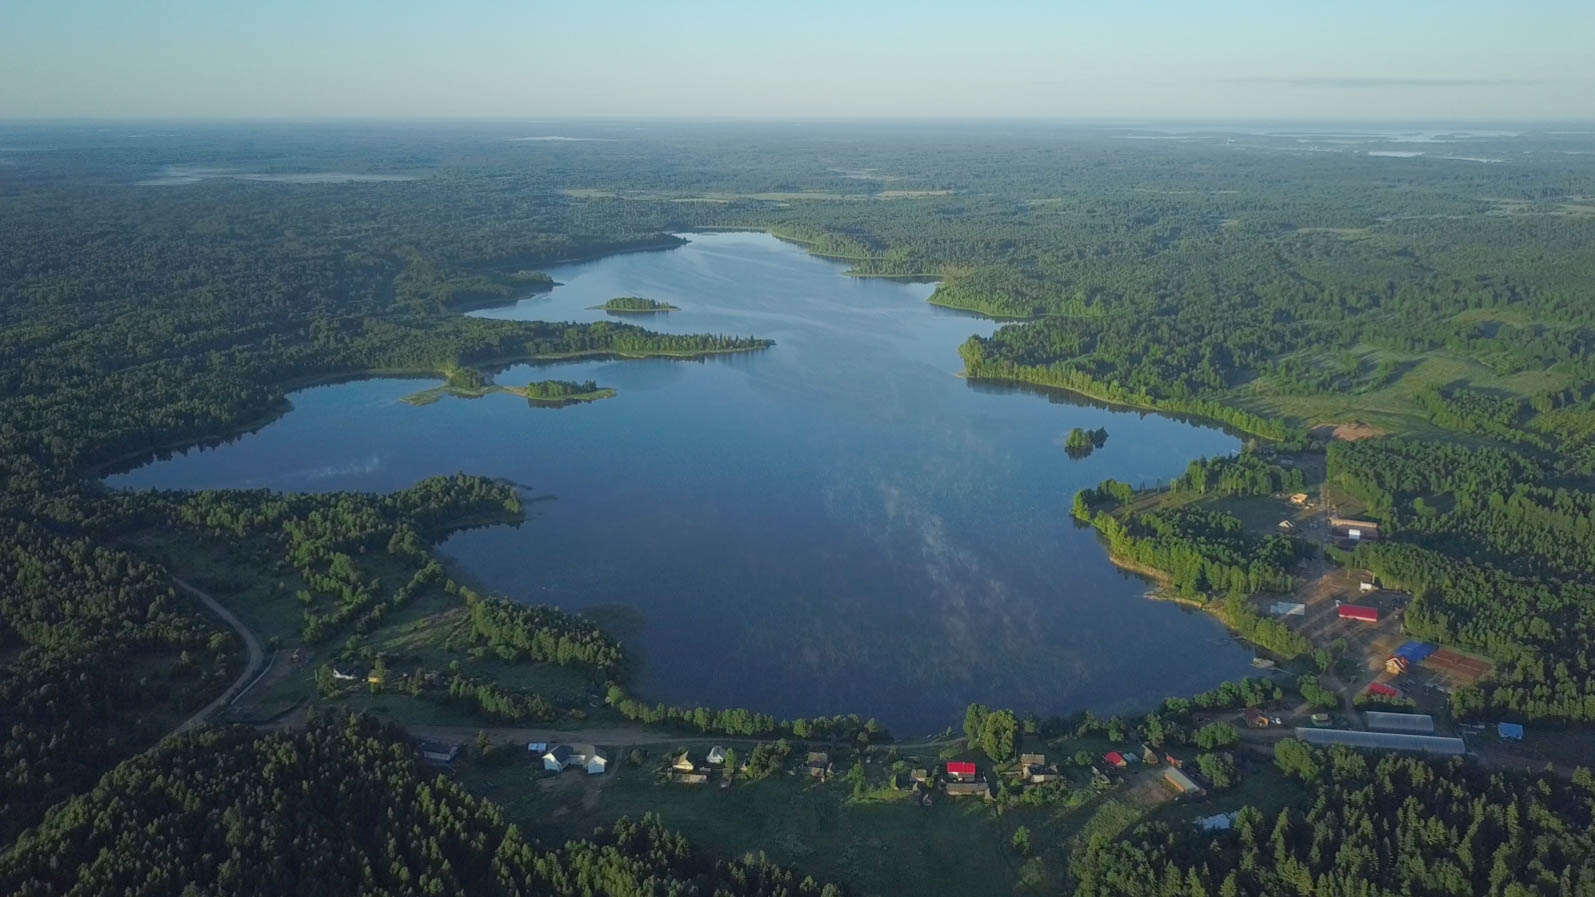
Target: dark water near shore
point(837, 524)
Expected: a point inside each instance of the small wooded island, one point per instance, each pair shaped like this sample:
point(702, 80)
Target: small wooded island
point(635, 305)
point(469, 384)
point(1083, 442)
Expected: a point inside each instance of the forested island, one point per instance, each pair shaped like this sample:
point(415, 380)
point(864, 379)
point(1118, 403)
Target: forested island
point(1290, 296)
point(469, 384)
point(635, 304)
point(1081, 443)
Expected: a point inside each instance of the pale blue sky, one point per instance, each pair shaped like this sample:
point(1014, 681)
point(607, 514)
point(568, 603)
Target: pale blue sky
point(297, 58)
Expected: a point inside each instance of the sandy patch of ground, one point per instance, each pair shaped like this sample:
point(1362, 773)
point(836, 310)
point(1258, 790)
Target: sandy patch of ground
point(1348, 432)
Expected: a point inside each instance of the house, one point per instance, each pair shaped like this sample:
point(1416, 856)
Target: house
point(438, 752)
point(921, 776)
point(684, 763)
point(960, 771)
point(818, 764)
point(1367, 586)
point(556, 758)
point(1509, 731)
point(1174, 761)
point(593, 759)
point(1383, 690)
point(561, 757)
point(1115, 759)
point(1182, 783)
point(1298, 498)
point(1287, 526)
point(1255, 719)
point(975, 788)
point(1395, 665)
point(1033, 769)
point(689, 778)
point(1032, 760)
point(717, 755)
point(1149, 756)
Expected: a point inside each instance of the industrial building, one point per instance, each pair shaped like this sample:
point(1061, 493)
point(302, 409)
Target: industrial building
point(1411, 723)
point(1388, 741)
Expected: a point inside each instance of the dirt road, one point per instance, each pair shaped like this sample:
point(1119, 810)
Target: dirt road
point(257, 657)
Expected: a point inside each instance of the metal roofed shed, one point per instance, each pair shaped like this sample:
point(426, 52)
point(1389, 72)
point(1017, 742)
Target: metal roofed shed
point(1413, 652)
point(1414, 723)
point(1387, 741)
point(1358, 612)
point(1288, 609)
point(1511, 731)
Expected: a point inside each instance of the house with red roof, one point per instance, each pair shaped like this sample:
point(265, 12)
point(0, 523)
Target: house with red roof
point(1115, 758)
point(960, 772)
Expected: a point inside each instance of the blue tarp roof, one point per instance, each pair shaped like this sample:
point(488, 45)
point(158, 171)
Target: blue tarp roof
point(1509, 730)
point(1414, 652)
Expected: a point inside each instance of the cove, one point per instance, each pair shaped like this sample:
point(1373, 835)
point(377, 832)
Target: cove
point(837, 524)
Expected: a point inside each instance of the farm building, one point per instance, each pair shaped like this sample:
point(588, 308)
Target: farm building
point(960, 771)
point(1414, 723)
point(1388, 741)
point(1353, 529)
point(1358, 612)
point(975, 788)
point(1182, 783)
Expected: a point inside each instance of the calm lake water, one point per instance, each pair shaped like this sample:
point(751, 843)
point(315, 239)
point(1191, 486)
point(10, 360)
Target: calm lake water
point(837, 524)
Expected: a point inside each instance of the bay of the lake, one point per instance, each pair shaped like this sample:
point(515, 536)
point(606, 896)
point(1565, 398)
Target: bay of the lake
point(836, 524)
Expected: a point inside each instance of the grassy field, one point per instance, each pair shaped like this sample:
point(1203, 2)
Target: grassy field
point(1390, 407)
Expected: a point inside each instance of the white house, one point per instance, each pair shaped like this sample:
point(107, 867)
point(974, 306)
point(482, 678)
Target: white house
point(717, 755)
point(561, 757)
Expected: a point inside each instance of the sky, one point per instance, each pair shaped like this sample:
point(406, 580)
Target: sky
point(1348, 59)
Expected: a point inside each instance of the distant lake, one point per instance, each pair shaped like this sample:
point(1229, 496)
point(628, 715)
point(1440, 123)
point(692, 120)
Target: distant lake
point(837, 524)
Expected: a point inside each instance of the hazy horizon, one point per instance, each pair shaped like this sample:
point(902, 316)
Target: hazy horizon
point(493, 59)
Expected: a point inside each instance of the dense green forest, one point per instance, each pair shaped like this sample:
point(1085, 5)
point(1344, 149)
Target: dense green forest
point(1233, 277)
point(1378, 825)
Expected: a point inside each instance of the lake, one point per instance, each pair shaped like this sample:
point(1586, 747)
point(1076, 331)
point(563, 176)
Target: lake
point(837, 524)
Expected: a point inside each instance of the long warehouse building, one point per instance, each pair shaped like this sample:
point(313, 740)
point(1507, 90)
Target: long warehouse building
point(1388, 741)
point(1411, 723)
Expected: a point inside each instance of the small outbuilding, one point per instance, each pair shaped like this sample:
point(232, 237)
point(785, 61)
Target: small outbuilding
point(1116, 759)
point(438, 751)
point(1510, 731)
point(717, 755)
